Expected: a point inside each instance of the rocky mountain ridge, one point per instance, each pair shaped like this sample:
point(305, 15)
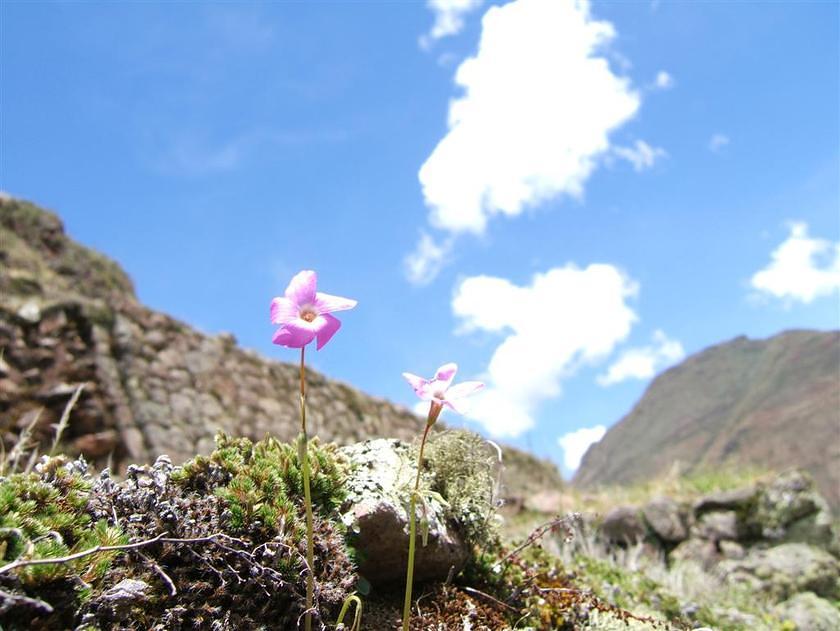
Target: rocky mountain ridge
point(69, 316)
point(771, 403)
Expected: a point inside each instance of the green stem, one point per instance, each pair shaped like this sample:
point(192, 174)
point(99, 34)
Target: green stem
point(434, 411)
point(303, 447)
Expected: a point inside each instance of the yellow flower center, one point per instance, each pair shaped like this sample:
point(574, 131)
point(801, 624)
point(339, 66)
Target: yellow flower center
point(308, 314)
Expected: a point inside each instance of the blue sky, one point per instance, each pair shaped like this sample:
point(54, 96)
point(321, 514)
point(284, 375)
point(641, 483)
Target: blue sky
point(562, 198)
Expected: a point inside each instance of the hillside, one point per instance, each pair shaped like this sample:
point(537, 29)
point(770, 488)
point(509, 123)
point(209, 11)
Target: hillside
point(152, 384)
point(771, 403)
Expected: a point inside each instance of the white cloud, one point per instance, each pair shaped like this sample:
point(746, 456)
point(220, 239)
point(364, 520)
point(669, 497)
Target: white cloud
point(643, 362)
point(664, 81)
point(642, 156)
point(566, 317)
point(449, 18)
point(575, 444)
point(429, 256)
point(801, 268)
point(539, 103)
point(718, 141)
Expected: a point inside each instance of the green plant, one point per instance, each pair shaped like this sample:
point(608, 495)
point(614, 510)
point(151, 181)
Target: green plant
point(43, 515)
point(464, 468)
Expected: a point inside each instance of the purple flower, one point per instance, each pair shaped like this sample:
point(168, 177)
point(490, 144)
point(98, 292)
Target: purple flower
point(304, 314)
point(440, 390)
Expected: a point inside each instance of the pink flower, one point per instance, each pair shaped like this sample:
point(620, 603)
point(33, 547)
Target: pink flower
point(440, 390)
point(304, 314)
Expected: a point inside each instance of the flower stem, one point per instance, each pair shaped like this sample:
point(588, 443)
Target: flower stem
point(303, 454)
point(434, 411)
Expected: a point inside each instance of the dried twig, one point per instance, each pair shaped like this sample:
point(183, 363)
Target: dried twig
point(22, 443)
point(476, 592)
point(65, 417)
point(538, 532)
point(161, 538)
point(173, 591)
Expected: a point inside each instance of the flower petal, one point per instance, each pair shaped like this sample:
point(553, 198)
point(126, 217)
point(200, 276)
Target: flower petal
point(415, 382)
point(294, 334)
point(301, 289)
point(325, 303)
point(460, 390)
point(445, 374)
point(283, 310)
point(429, 391)
point(325, 326)
point(451, 406)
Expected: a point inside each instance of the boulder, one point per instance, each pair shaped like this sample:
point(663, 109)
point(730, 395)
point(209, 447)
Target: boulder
point(666, 519)
point(701, 551)
point(809, 612)
point(623, 525)
point(718, 525)
point(786, 569)
point(791, 510)
point(735, 499)
point(376, 514)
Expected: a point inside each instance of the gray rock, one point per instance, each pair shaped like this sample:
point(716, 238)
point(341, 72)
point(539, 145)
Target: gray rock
point(809, 612)
point(786, 569)
point(736, 499)
point(156, 339)
point(123, 596)
point(700, 551)
point(666, 519)
point(817, 529)
point(377, 517)
point(623, 525)
point(787, 499)
point(717, 526)
point(731, 550)
point(30, 311)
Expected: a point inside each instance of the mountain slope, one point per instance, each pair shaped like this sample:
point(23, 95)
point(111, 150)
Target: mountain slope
point(152, 384)
point(770, 403)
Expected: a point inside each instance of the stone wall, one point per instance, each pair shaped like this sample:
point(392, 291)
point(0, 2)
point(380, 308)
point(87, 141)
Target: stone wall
point(153, 385)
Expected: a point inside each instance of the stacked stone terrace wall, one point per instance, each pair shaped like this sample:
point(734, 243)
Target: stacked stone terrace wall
point(153, 385)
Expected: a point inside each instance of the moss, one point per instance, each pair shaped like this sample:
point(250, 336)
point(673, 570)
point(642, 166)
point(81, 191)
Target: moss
point(464, 468)
point(262, 483)
point(43, 515)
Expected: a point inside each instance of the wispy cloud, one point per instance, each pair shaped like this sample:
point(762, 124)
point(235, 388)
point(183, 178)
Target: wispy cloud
point(643, 362)
point(801, 268)
point(663, 81)
point(718, 142)
point(538, 106)
point(427, 259)
point(192, 153)
point(574, 444)
point(449, 18)
point(566, 317)
point(641, 155)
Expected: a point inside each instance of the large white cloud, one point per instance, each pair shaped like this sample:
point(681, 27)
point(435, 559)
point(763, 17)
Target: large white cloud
point(645, 361)
point(801, 268)
point(539, 103)
point(566, 317)
point(574, 444)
